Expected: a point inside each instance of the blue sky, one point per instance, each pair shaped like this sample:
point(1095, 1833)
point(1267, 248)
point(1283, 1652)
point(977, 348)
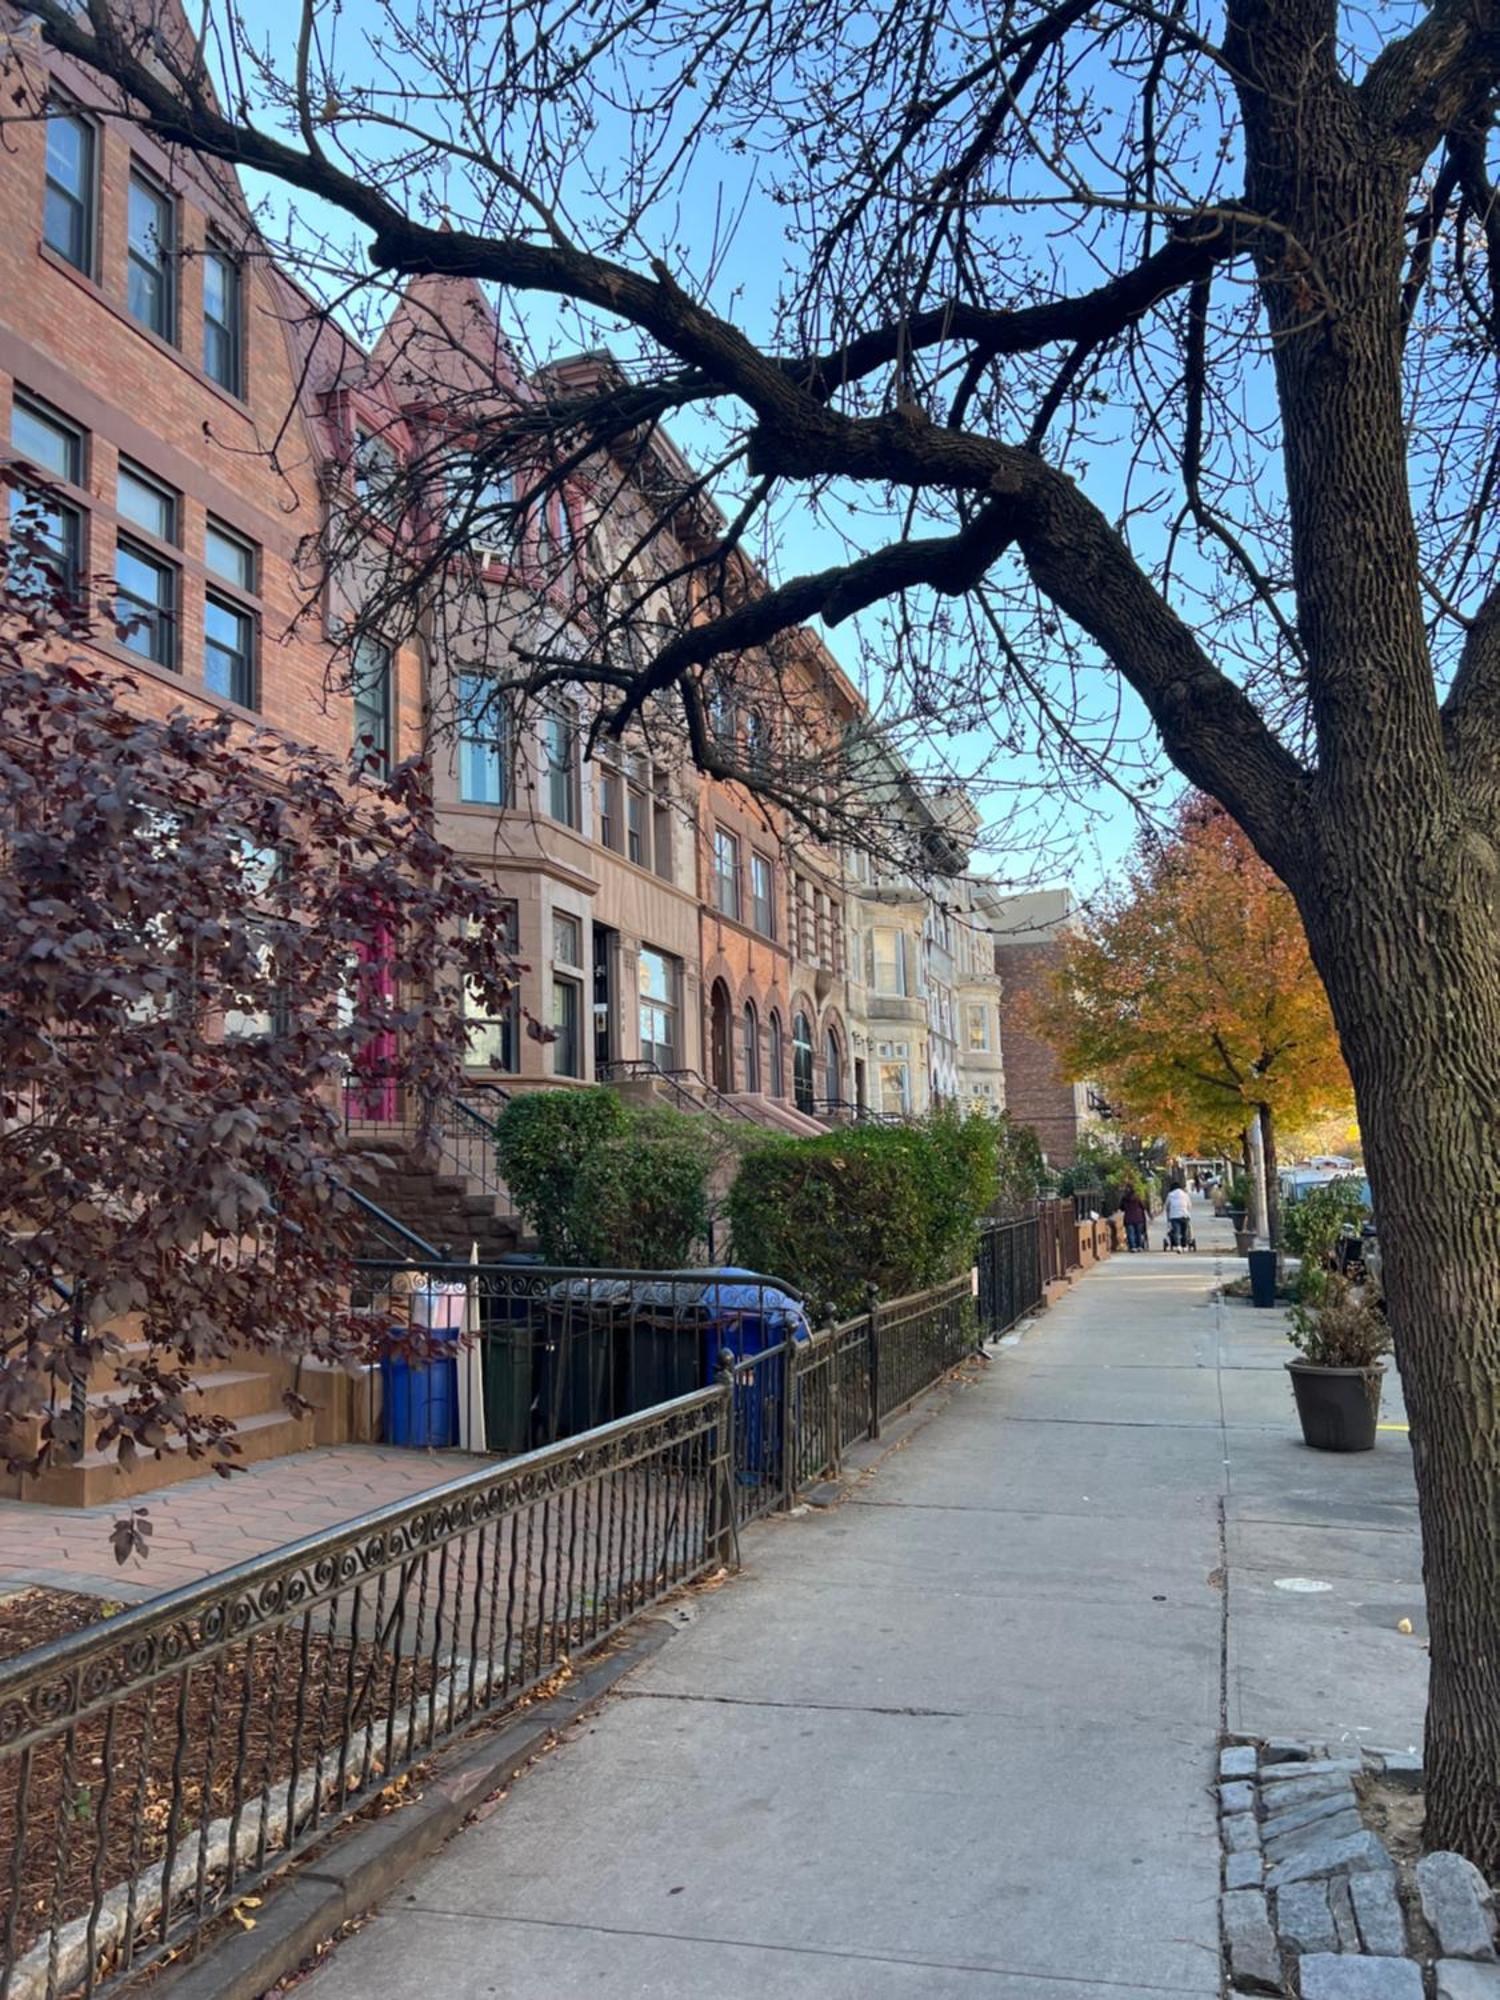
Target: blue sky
point(1099, 825)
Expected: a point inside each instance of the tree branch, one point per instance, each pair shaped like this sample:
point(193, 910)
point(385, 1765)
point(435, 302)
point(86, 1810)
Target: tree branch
point(1435, 78)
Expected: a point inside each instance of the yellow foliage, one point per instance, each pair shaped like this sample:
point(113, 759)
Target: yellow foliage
point(1191, 997)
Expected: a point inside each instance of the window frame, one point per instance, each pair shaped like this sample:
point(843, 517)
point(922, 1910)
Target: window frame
point(233, 329)
point(87, 203)
point(777, 1055)
point(567, 1000)
point(248, 692)
point(147, 182)
point(668, 1008)
point(381, 753)
point(164, 619)
point(485, 736)
point(762, 907)
point(63, 509)
point(804, 1072)
point(726, 846)
point(564, 772)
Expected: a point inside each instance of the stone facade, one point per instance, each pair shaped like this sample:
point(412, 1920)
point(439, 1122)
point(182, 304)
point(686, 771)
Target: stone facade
point(1028, 931)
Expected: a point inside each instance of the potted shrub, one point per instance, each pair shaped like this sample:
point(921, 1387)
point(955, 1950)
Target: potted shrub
point(1341, 1334)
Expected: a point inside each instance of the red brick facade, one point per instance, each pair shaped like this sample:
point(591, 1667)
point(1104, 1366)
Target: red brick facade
point(1035, 1094)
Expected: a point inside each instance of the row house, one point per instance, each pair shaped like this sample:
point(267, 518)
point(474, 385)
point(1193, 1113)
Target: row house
point(151, 357)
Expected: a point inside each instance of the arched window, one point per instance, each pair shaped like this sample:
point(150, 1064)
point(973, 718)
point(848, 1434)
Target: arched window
point(835, 1067)
point(778, 1057)
point(752, 1047)
point(802, 1063)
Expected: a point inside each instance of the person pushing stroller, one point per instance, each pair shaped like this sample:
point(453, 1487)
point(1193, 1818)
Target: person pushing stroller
point(1179, 1218)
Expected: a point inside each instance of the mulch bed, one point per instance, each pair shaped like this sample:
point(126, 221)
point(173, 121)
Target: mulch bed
point(109, 1797)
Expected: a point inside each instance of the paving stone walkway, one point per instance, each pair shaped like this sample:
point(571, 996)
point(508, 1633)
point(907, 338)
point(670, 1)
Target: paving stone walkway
point(206, 1524)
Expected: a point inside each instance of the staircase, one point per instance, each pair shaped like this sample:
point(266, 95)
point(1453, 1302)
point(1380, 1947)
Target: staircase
point(248, 1390)
point(448, 1192)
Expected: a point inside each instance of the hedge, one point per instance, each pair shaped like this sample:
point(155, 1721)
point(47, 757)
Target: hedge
point(896, 1208)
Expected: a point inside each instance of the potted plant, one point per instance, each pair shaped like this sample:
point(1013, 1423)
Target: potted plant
point(1340, 1333)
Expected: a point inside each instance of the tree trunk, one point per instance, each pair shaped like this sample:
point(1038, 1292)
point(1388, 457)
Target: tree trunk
point(1412, 971)
point(1273, 1185)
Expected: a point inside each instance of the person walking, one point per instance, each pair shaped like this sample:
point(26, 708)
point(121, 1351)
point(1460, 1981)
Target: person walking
point(1179, 1216)
point(1133, 1210)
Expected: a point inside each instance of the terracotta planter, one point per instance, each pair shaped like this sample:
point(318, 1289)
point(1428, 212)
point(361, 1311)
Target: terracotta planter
point(1338, 1407)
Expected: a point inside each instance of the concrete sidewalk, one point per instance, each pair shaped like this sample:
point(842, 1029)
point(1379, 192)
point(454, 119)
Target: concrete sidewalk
point(956, 1736)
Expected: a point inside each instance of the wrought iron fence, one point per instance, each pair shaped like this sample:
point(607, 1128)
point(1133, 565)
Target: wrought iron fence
point(1009, 1263)
point(156, 1767)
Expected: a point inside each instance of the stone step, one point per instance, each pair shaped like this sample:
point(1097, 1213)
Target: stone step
point(225, 1392)
point(97, 1479)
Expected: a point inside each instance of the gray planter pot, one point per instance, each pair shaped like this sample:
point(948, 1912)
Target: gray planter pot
point(1338, 1407)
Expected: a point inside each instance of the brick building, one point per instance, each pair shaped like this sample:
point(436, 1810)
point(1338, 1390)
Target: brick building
point(1028, 932)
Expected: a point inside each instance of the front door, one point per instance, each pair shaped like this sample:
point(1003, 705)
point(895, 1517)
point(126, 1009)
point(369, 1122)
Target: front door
point(605, 1040)
point(719, 1032)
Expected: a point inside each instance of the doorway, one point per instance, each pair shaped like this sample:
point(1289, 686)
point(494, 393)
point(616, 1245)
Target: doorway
point(606, 1040)
point(721, 1054)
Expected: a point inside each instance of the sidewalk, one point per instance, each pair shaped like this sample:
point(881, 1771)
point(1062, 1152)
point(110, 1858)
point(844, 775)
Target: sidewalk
point(956, 1736)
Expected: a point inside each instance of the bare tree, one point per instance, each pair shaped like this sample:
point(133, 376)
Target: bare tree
point(1127, 342)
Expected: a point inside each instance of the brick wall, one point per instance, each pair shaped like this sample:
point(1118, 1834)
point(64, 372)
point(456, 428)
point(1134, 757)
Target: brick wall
point(1035, 1094)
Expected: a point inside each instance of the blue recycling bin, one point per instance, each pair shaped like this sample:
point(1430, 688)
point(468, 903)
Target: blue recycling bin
point(746, 1317)
point(421, 1399)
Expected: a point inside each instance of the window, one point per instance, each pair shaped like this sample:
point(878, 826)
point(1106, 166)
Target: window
point(610, 827)
point(802, 1062)
point(229, 556)
point(146, 503)
point(228, 650)
point(723, 717)
point(567, 1013)
point(68, 205)
point(52, 531)
point(895, 1076)
point(757, 742)
point(661, 828)
point(637, 838)
point(977, 1020)
point(752, 1047)
point(726, 873)
point(152, 240)
point(762, 896)
point(560, 745)
point(370, 686)
point(223, 318)
point(887, 962)
point(483, 746)
point(375, 471)
point(260, 1006)
point(478, 501)
point(567, 939)
point(778, 1057)
point(145, 603)
point(658, 1008)
point(493, 1040)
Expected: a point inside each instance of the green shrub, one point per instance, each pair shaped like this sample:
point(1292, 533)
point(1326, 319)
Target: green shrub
point(895, 1208)
point(600, 1182)
point(1312, 1226)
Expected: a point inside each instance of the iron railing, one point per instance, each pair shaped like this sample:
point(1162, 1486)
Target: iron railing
point(1009, 1263)
point(158, 1766)
point(688, 1089)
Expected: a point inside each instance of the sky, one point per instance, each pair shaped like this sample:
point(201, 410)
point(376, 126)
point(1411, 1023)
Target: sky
point(1100, 825)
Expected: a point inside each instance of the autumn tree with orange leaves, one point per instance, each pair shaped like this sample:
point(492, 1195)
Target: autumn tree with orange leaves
point(1191, 997)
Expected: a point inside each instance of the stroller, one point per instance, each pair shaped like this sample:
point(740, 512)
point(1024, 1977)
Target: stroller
point(1189, 1240)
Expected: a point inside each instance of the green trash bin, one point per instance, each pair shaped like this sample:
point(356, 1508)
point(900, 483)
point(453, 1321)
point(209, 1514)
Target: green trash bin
point(511, 1324)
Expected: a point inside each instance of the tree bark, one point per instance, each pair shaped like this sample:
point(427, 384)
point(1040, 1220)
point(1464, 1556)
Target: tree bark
point(1273, 1186)
point(1413, 974)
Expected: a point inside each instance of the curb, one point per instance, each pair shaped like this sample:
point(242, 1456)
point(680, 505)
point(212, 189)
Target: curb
point(365, 1865)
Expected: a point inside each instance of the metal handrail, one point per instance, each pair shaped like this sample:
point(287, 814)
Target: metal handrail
point(680, 1082)
point(391, 1226)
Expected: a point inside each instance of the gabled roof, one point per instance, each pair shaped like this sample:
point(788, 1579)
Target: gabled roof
point(444, 341)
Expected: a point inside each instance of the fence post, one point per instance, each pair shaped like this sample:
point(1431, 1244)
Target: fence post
point(789, 1421)
point(725, 1537)
point(872, 1339)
